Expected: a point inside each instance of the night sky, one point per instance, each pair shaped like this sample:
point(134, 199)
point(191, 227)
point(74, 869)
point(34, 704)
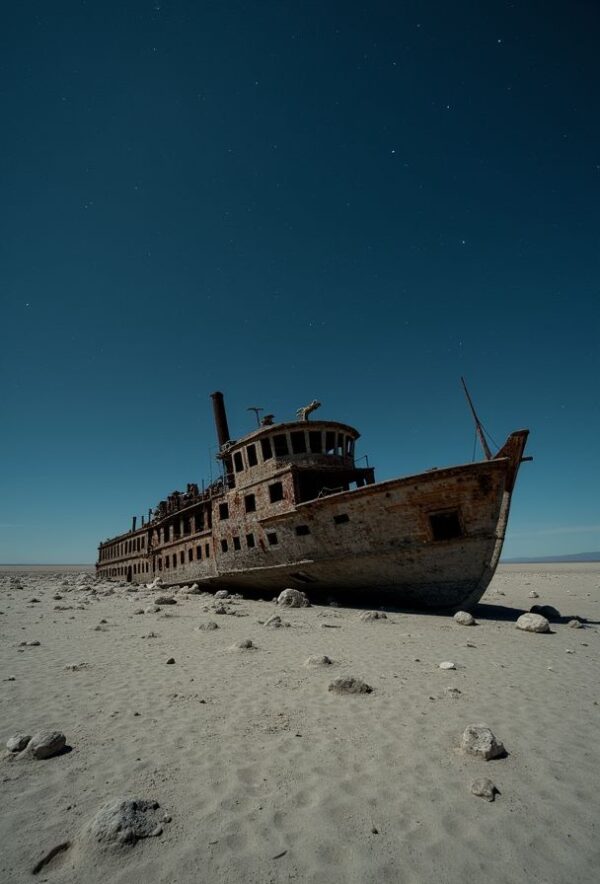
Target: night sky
point(349, 201)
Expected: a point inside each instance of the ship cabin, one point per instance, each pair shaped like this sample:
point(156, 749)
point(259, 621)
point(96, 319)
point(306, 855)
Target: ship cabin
point(232, 524)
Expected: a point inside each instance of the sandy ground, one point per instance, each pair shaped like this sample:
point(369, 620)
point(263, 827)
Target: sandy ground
point(266, 774)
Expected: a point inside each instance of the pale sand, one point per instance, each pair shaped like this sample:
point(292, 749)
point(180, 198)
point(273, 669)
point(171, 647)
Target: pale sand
point(270, 777)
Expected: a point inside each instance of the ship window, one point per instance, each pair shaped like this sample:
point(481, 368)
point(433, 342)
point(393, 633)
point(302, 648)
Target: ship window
point(341, 519)
point(236, 543)
point(315, 439)
point(272, 538)
point(250, 541)
point(190, 555)
point(330, 443)
point(445, 526)
point(207, 551)
point(280, 445)
point(276, 492)
point(223, 511)
point(265, 444)
point(340, 444)
point(251, 454)
point(302, 530)
point(174, 560)
point(349, 446)
point(238, 463)
point(250, 503)
point(224, 545)
point(298, 442)
point(198, 553)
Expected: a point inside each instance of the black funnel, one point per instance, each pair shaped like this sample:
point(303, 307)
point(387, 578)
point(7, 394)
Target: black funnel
point(220, 418)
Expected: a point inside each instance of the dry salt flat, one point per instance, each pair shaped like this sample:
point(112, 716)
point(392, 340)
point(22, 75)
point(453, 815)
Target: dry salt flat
point(238, 740)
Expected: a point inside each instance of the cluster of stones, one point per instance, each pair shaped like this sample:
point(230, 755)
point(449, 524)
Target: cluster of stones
point(43, 744)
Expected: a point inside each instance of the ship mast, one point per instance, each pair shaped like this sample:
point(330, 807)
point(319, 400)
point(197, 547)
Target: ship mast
point(478, 425)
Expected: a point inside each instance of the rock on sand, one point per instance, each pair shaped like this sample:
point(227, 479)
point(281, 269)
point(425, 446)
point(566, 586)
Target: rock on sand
point(45, 744)
point(533, 623)
point(464, 618)
point(123, 822)
point(350, 685)
point(484, 788)
point(479, 740)
point(17, 742)
point(293, 598)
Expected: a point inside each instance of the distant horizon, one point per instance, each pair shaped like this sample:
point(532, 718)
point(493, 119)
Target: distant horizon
point(581, 557)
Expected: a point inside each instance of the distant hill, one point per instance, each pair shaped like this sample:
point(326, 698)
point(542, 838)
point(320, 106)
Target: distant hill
point(573, 557)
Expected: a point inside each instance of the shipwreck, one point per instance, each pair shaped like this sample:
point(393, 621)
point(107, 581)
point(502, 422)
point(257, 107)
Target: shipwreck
point(293, 508)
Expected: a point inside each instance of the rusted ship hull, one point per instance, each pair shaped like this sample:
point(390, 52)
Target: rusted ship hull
point(293, 508)
point(381, 539)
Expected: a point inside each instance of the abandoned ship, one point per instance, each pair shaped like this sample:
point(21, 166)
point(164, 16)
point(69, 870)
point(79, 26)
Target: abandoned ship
point(293, 508)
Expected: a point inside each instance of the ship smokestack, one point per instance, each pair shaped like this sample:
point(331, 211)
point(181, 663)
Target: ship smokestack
point(220, 418)
point(133, 523)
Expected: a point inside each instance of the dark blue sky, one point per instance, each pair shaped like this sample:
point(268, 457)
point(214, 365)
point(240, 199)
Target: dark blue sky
point(357, 202)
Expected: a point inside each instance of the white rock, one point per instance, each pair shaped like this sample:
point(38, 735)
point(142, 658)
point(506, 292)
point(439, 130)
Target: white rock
point(274, 621)
point(293, 598)
point(533, 594)
point(533, 623)
point(447, 664)
point(479, 740)
point(484, 788)
point(151, 609)
point(464, 618)
point(222, 594)
point(575, 624)
point(17, 742)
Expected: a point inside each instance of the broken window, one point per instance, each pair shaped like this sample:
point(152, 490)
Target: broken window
point(265, 445)
point(250, 503)
point(166, 561)
point(238, 463)
point(223, 511)
point(272, 538)
point(236, 543)
point(302, 530)
point(251, 455)
point(298, 442)
point(280, 445)
point(276, 492)
point(198, 553)
point(446, 525)
point(207, 550)
point(315, 439)
point(224, 545)
point(341, 519)
point(190, 555)
point(250, 541)
point(174, 560)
